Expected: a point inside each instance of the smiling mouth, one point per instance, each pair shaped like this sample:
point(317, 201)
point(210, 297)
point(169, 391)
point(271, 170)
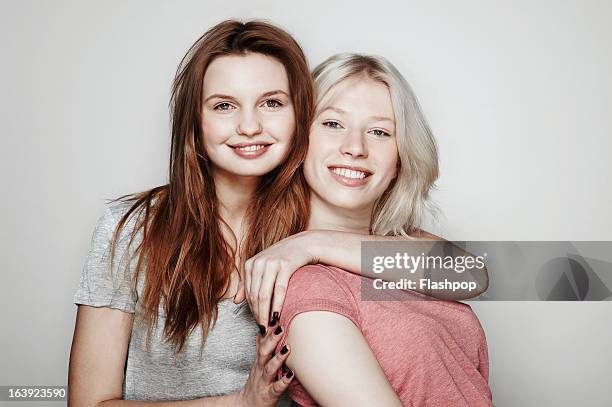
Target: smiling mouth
point(350, 173)
point(250, 146)
point(250, 150)
point(350, 176)
point(253, 147)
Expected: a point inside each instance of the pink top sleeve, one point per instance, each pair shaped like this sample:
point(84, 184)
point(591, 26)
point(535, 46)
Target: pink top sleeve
point(444, 351)
point(314, 288)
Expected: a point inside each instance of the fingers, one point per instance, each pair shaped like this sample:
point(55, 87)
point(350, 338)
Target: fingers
point(268, 343)
point(262, 388)
point(240, 294)
point(266, 289)
point(279, 386)
point(256, 276)
point(248, 267)
point(266, 282)
point(280, 290)
point(276, 362)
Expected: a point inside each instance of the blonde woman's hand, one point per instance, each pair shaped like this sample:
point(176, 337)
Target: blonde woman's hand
point(267, 274)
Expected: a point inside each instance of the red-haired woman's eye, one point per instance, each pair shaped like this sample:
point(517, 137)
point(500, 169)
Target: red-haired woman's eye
point(223, 106)
point(273, 103)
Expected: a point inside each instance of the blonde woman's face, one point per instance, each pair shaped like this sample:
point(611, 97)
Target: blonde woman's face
point(352, 156)
point(247, 116)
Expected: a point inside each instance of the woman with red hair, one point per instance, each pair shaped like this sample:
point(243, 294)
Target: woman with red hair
point(156, 320)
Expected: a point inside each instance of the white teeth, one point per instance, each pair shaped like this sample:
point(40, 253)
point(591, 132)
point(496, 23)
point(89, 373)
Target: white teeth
point(253, 147)
point(345, 172)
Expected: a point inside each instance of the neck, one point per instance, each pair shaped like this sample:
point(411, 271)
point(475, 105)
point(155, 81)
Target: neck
point(234, 193)
point(325, 216)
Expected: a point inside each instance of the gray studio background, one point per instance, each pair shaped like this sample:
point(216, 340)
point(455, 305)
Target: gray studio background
point(518, 94)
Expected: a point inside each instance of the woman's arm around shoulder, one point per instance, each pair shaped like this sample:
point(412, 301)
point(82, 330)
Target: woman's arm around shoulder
point(267, 274)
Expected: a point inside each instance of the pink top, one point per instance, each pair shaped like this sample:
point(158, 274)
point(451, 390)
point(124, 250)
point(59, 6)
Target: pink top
point(445, 359)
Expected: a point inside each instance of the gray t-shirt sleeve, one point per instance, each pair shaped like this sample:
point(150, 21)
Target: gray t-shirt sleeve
point(99, 285)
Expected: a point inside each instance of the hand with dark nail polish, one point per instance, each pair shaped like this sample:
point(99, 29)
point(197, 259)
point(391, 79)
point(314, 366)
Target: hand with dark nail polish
point(266, 383)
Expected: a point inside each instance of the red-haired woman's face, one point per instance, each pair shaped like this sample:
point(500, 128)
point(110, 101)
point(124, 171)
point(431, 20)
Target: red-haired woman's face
point(247, 119)
point(352, 156)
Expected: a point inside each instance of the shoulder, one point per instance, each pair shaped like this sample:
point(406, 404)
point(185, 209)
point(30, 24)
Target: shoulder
point(133, 204)
point(116, 209)
point(423, 234)
point(113, 215)
point(307, 276)
point(103, 245)
point(320, 282)
point(321, 274)
point(320, 288)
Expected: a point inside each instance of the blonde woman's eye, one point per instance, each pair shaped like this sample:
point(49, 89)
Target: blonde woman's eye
point(273, 104)
point(332, 124)
point(223, 106)
point(380, 133)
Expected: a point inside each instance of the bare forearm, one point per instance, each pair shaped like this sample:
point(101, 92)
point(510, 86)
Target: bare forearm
point(343, 250)
point(217, 401)
point(317, 337)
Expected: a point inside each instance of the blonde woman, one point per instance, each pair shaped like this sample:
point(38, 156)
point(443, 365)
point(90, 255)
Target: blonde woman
point(370, 165)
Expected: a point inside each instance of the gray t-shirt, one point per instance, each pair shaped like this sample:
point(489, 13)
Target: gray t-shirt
point(158, 373)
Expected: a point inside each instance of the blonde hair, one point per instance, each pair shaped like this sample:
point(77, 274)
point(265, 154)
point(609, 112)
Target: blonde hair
point(401, 208)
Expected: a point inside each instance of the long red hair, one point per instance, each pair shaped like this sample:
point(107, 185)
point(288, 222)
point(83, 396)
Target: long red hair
point(187, 261)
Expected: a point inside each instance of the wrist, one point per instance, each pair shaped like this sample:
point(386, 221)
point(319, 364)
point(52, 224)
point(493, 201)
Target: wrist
point(312, 241)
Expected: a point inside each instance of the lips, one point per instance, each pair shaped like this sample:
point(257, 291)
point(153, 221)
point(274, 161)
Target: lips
point(349, 175)
point(253, 147)
point(250, 150)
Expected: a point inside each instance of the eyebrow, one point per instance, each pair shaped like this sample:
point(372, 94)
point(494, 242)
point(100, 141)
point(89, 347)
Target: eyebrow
point(274, 92)
point(335, 109)
point(265, 95)
point(342, 111)
point(382, 119)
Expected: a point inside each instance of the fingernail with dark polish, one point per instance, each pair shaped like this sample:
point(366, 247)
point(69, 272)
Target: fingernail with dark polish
point(284, 350)
point(262, 330)
point(273, 321)
point(278, 331)
point(275, 315)
point(289, 374)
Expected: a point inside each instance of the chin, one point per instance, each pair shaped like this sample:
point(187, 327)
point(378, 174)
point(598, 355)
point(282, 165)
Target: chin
point(253, 172)
point(252, 168)
point(349, 202)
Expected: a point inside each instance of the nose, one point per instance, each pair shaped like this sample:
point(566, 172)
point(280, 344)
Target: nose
point(354, 145)
point(249, 123)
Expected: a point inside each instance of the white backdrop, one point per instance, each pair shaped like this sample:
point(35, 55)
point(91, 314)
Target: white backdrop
point(518, 96)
